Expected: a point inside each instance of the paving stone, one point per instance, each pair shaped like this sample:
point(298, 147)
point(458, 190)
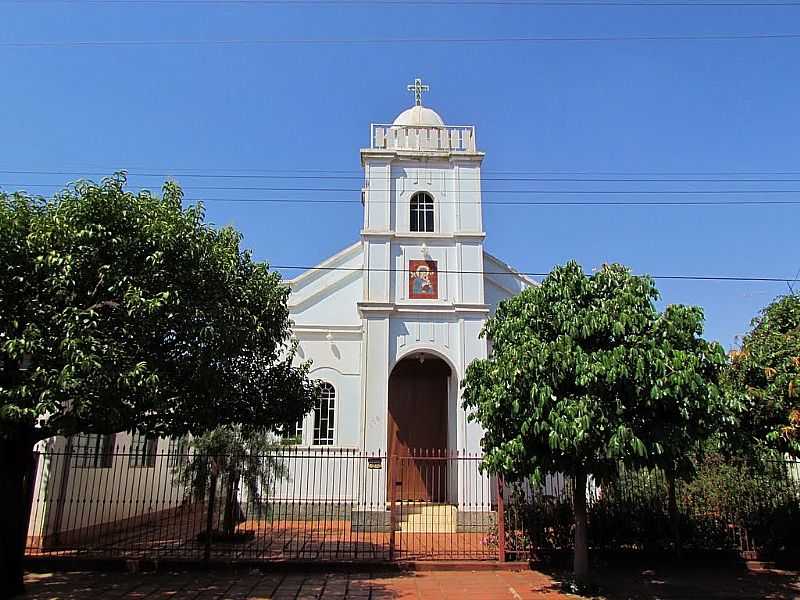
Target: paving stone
point(669, 584)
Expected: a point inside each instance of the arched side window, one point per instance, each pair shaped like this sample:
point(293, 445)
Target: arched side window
point(421, 212)
point(325, 416)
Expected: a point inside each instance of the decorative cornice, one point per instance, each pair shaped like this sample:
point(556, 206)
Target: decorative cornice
point(420, 154)
point(390, 308)
point(412, 235)
point(327, 328)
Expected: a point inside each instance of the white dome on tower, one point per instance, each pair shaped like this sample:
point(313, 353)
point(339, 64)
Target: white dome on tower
point(419, 116)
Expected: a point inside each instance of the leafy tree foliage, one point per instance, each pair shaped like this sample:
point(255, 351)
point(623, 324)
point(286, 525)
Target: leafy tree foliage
point(691, 408)
point(227, 457)
point(764, 377)
point(122, 311)
point(585, 375)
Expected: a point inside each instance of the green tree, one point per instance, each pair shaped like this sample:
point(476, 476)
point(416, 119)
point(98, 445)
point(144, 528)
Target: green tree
point(764, 378)
point(581, 371)
point(227, 457)
point(689, 408)
point(123, 311)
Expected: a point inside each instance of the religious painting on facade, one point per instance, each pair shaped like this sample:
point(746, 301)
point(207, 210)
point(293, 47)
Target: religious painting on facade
point(423, 280)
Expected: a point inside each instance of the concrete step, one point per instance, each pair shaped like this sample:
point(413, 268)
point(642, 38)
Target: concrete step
point(424, 517)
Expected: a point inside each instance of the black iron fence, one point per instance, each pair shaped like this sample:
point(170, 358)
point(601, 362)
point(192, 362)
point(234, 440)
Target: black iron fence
point(750, 509)
point(289, 503)
point(295, 503)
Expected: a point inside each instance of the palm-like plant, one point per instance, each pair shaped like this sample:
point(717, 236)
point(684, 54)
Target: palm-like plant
point(224, 458)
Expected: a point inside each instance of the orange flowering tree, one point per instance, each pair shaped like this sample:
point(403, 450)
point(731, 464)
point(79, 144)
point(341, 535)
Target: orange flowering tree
point(764, 377)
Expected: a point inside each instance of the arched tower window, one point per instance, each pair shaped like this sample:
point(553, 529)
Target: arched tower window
point(421, 212)
point(325, 416)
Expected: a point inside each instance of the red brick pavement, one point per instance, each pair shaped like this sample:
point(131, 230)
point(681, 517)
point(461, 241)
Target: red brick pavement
point(226, 585)
point(685, 583)
point(333, 540)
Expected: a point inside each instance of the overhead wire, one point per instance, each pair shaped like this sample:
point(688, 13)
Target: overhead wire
point(442, 3)
point(393, 41)
point(483, 191)
point(513, 192)
point(787, 281)
point(594, 178)
point(212, 172)
point(719, 278)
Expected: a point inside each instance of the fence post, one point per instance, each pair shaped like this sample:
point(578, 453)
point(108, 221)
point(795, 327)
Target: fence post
point(390, 472)
point(30, 493)
point(501, 522)
point(212, 489)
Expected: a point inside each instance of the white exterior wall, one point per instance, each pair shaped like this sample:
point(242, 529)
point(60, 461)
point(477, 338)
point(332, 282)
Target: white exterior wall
point(69, 498)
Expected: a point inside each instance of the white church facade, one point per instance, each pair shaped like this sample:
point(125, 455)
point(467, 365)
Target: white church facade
point(390, 325)
point(391, 322)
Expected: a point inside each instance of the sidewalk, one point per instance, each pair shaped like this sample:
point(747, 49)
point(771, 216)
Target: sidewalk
point(430, 585)
point(617, 583)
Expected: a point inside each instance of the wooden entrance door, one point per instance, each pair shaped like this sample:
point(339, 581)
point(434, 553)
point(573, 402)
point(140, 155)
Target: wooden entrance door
point(418, 428)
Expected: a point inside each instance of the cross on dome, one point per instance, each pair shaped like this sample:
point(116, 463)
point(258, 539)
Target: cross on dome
point(418, 88)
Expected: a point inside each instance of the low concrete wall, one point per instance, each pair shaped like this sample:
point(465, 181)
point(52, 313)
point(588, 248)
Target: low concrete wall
point(300, 511)
point(371, 520)
point(475, 521)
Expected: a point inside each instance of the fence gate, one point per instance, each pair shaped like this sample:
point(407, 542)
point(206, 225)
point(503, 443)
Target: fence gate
point(441, 507)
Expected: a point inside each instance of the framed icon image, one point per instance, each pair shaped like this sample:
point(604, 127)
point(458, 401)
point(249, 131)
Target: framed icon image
point(423, 280)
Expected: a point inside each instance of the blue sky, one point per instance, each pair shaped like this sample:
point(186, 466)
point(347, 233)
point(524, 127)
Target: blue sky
point(624, 108)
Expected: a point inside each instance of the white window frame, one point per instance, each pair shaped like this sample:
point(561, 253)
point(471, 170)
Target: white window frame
point(425, 214)
point(329, 439)
point(92, 450)
point(142, 456)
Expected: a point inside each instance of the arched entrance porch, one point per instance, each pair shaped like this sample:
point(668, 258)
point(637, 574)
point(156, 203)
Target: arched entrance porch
point(419, 390)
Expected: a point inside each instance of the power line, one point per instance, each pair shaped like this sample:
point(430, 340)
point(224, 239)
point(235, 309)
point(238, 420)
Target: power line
point(165, 174)
point(257, 173)
point(734, 278)
point(459, 3)
point(508, 203)
point(511, 203)
point(725, 192)
point(393, 41)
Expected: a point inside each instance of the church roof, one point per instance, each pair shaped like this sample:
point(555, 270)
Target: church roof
point(419, 116)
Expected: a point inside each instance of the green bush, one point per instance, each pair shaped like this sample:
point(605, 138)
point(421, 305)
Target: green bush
point(729, 505)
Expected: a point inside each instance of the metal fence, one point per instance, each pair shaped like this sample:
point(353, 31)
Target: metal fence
point(749, 509)
point(331, 504)
point(291, 503)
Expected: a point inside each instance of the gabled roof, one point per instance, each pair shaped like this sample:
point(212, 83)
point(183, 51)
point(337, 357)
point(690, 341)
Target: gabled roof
point(325, 277)
point(326, 266)
point(500, 265)
point(345, 266)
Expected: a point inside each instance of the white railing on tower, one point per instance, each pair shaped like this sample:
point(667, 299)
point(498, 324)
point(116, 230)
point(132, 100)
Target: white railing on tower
point(434, 139)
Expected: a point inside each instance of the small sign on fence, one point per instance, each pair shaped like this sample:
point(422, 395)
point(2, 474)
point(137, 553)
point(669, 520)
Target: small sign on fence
point(374, 463)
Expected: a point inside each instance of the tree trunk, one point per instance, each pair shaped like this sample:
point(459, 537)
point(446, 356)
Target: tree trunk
point(581, 564)
point(230, 517)
point(674, 518)
point(16, 464)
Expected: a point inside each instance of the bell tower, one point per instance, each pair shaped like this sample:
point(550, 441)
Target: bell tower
point(423, 231)
point(423, 279)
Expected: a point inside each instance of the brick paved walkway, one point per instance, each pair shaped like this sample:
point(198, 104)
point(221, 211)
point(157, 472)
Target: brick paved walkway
point(432, 585)
point(617, 583)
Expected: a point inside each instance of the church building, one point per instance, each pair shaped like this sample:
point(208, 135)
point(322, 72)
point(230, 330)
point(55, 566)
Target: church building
point(390, 325)
point(391, 322)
